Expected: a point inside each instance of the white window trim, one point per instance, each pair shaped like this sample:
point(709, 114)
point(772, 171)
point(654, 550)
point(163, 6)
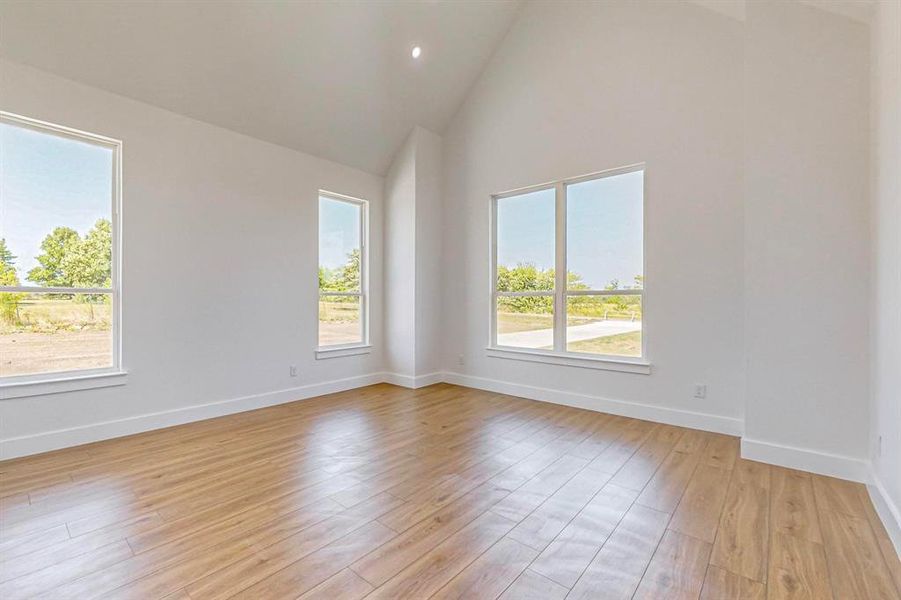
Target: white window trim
point(62, 381)
point(339, 351)
point(363, 347)
point(69, 381)
point(571, 359)
point(559, 355)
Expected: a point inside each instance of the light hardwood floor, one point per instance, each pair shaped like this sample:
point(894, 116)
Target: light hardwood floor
point(442, 492)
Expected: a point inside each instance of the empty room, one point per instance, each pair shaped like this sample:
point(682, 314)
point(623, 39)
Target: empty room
point(475, 299)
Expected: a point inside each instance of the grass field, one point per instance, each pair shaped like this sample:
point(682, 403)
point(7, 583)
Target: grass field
point(624, 344)
point(515, 322)
point(36, 314)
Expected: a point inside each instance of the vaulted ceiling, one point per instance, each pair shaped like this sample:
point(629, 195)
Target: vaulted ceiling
point(331, 78)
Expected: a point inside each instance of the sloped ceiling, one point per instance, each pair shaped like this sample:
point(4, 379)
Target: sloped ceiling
point(334, 79)
point(858, 10)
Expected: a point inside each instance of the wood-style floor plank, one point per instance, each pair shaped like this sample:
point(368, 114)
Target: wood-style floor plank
point(677, 569)
point(618, 567)
point(699, 509)
point(742, 539)
point(440, 492)
point(345, 585)
point(838, 495)
point(564, 560)
point(491, 573)
point(797, 569)
point(314, 569)
point(430, 573)
point(546, 522)
point(892, 558)
point(720, 584)
point(793, 509)
point(532, 586)
point(665, 489)
point(856, 566)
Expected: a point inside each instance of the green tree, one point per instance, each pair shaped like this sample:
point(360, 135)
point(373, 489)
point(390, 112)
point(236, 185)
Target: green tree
point(349, 275)
point(345, 278)
point(56, 246)
point(9, 301)
point(88, 262)
point(526, 277)
point(7, 259)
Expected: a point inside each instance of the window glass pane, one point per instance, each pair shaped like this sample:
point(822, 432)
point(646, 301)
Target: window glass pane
point(339, 320)
point(525, 242)
point(45, 333)
point(339, 245)
point(604, 325)
point(56, 210)
point(604, 233)
point(525, 322)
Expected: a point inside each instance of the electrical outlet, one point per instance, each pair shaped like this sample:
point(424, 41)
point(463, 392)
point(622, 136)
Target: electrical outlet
point(292, 370)
point(700, 390)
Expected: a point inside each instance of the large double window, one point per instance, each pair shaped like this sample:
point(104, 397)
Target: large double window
point(567, 267)
point(343, 277)
point(59, 273)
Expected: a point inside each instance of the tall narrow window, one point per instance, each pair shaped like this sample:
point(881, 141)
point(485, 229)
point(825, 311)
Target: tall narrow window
point(568, 271)
point(59, 288)
point(343, 274)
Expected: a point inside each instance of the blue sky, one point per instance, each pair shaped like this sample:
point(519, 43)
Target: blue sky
point(339, 231)
point(604, 229)
point(48, 181)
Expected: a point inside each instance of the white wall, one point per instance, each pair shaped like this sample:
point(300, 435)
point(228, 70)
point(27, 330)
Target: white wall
point(806, 230)
point(578, 87)
point(400, 260)
point(755, 135)
point(412, 259)
point(885, 419)
point(429, 249)
point(220, 255)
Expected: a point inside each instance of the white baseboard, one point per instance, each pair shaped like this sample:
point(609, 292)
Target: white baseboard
point(802, 459)
point(75, 436)
point(648, 412)
point(888, 511)
point(413, 382)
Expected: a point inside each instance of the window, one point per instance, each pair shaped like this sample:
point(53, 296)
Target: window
point(59, 231)
point(343, 273)
point(567, 267)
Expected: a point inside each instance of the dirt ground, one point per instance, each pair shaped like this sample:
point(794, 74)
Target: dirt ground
point(338, 333)
point(30, 353)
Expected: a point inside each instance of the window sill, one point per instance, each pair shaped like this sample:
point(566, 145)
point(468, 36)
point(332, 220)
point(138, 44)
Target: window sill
point(339, 351)
point(60, 383)
point(624, 365)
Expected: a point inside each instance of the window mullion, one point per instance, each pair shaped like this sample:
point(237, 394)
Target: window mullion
point(560, 270)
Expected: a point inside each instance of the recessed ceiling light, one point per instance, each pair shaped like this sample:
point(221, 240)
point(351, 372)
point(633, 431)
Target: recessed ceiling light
point(417, 52)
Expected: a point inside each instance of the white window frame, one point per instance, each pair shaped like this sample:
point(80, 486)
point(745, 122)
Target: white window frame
point(363, 346)
point(559, 355)
point(17, 386)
